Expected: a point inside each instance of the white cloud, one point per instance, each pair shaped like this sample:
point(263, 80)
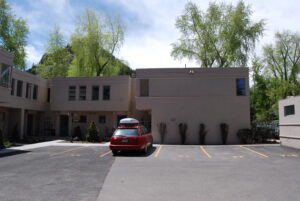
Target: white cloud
point(33, 55)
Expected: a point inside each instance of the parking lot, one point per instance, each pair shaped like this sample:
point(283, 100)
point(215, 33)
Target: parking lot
point(168, 172)
point(172, 173)
point(54, 173)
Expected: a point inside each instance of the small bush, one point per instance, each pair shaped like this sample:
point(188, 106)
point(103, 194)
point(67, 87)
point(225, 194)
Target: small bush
point(245, 135)
point(182, 131)
point(92, 134)
point(224, 132)
point(202, 133)
point(162, 129)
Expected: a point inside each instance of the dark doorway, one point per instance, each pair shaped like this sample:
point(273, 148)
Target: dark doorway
point(64, 125)
point(30, 124)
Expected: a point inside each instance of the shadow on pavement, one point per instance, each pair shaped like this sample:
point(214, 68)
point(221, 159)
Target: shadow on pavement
point(11, 152)
point(136, 153)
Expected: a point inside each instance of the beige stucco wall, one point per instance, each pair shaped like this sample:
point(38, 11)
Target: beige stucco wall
point(119, 94)
point(195, 96)
point(290, 124)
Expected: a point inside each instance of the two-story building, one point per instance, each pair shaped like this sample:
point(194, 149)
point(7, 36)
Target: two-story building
point(32, 106)
point(193, 96)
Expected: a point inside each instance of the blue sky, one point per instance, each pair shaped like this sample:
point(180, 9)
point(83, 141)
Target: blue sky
point(149, 24)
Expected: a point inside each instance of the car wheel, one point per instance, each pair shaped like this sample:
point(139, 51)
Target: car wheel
point(114, 152)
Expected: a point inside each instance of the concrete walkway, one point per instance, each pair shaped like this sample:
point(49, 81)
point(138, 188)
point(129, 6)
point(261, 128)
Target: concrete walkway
point(49, 143)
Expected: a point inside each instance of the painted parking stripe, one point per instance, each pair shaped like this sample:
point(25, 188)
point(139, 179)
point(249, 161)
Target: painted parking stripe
point(157, 151)
point(260, 154)
point(205, 152)
point(63, 152)
point(102, 155)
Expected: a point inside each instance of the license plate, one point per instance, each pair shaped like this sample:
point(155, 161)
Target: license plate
point(124, 140)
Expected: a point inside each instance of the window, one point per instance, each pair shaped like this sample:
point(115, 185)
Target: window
point(28, 90)
point(48, 95)
point(19, 88)
point(82, 92)
point(241, 87)
point(35, 92)
point(72, 93)
point(4, 75)
point(12, 92)
point(289, 110)
point(144, 87)
point(82, 119)
point(106, 92)
point(95, 93)
point(126, 132)
point(102, 119)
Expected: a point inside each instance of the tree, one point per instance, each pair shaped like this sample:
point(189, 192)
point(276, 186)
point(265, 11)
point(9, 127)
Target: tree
point(223, 36)
point(283, 58)
point(13, 34)
point(276, 75)
point(57, 59)
point(96, 39)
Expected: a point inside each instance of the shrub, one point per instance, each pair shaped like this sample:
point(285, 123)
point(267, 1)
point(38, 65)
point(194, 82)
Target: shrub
point(224, 132)
point(245, 135)
point(162, 129)
point(202, 133)
point(92, 134)
point(182, 131)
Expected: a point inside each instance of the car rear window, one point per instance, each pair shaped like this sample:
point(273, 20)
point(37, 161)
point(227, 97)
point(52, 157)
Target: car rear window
point(126, 132)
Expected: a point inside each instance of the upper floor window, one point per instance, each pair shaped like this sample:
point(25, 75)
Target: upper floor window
point(289, 110)
point(28, 90)
point(241, 87)
point(19, 88)
point(12, 92)
point(4, 75)
point(35, 92)
point(95, 93)
point(72, 93)
point(144, 87)
point(106, 92)
point(82, 92)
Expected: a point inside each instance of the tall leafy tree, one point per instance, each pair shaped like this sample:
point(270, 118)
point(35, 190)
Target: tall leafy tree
point(13, 34)
point(96, 39)
point(223, 36)
point(57, 59)
point(276, 74)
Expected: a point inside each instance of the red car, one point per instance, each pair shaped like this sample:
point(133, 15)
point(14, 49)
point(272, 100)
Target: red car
point(130, 136)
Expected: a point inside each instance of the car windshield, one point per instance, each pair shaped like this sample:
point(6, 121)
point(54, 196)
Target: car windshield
point(126, 132)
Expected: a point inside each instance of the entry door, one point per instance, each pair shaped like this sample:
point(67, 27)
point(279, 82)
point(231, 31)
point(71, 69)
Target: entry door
point(30, 122)
point(64, 125)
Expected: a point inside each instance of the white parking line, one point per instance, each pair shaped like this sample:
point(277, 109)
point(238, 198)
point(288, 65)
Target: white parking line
point(102, 155)
point(261, 154)
point(158, 151)
point(205, 152)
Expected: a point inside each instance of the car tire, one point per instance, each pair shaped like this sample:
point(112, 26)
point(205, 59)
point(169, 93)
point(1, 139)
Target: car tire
point(114, 152)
